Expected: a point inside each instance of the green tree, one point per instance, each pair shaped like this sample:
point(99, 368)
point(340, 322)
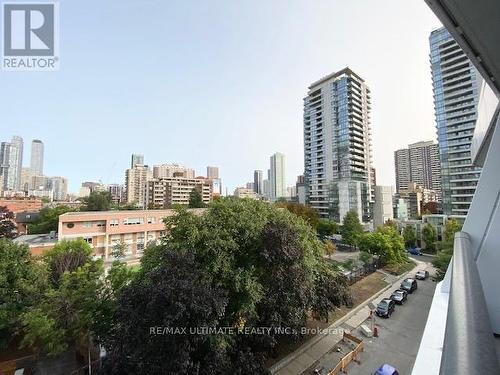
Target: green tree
point(410, 236)
point(258, 253)
point(327, 227)
point(48, 220)
point(66, 312)
point(443, 256)
point(307, 213)
point(22, 281)
point(429, 235)
point(196, 199)
point(7, 226)
point(97, 201)
point(387, 243)
point(351, 229)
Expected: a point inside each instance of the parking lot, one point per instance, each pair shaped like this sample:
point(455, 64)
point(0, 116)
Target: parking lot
point(399, 335)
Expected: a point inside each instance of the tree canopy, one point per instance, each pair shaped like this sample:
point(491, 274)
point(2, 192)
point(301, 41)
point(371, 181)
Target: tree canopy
point(97, 201)
point(327, 227)
point(409, 236)
point(196, 199)
point(7, 226)
point(443, 256)
point(252, 265)
point(48, 219)
point(429, 235)
point(22, 280)
point(307, 213)
point(351, 229)
point(385, 242)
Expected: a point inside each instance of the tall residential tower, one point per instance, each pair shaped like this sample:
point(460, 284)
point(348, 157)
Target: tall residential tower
point(36, 165)
point(455, 103)
point(337, 146)
point(277, 180)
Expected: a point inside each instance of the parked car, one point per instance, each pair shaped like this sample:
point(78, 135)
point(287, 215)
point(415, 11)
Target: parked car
point(399, 296)
point(422, 275)
point(385, 308)
point(386, 369)
point(410, 285)
point(415, 251)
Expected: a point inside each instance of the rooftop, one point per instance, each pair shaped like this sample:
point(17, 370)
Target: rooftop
point(345, 71)
point(37, 239)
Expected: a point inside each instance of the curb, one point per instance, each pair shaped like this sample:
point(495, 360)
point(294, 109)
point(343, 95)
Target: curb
point(314, 340)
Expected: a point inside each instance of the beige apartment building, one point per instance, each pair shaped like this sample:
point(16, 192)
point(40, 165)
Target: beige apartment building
point(167, 192)
point(103, 230)
point(135, 182)
point(172, 170)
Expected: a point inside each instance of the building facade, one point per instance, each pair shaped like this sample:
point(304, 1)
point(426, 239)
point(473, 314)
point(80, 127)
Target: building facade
point(168, 192)
point(135, 182)
point(383, 206)
point(212, 172)
point(241, 192)
point(455, 102)
point(258, 182)
point(11, 162)
point(104, 230)
point(37, 152)
point(277, 179)
point(136, 159)
point(337, 146)
point(172, 170)
point(418, 163)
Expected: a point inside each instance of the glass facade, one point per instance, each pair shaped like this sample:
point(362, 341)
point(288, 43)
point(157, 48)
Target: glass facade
point(455, 103)
point(337, 151)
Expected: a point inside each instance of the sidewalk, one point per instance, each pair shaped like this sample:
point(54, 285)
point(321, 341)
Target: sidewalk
point(305, 356)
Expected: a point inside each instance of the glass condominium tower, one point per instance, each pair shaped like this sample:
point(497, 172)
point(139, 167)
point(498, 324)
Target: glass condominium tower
point(337, 146)
point(455, 103)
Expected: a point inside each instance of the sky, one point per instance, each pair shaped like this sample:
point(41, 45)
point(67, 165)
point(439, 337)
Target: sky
point(216, 83)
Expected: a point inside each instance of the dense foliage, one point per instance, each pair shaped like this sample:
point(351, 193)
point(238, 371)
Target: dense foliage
point(22, 280)
point(242, 264)
point(429, 236)
point(385, 242)
point(443, 256)
point(97, 201)
point(48, 220)
point(410, 236)
point(327, 227)
point(7, 226)
point(307, 213)
point(196, 199)
point(352, 229)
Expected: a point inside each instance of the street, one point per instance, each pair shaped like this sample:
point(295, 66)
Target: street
point(399, 335)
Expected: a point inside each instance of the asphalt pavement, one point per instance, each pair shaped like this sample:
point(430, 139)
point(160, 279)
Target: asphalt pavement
point(400, 335)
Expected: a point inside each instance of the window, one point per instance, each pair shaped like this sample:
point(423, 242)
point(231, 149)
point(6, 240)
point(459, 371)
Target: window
point(113, 223)
point(101, 224)
point(88, 240)
point(133, 221)
point(151, 220)
point(87, 224)
point(70, 225)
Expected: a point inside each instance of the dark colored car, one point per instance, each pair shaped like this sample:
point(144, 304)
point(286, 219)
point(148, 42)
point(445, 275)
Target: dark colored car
point(415, 251)
point(422, 275)
point(410, 285)
point(399, 296)
point(385, 308)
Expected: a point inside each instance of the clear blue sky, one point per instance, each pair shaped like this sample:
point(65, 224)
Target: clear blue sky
point(216, 83)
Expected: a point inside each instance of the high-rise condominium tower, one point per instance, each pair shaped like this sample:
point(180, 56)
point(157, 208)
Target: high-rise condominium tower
point(11, 163)
point(337, 146)
point(212, 172)
point(136, 159)
point(36, 165)
point(455, 103)
point(277, 180)
point(258, 182)
point(418, 163)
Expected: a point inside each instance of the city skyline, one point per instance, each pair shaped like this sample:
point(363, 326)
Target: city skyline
point(283, 71)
